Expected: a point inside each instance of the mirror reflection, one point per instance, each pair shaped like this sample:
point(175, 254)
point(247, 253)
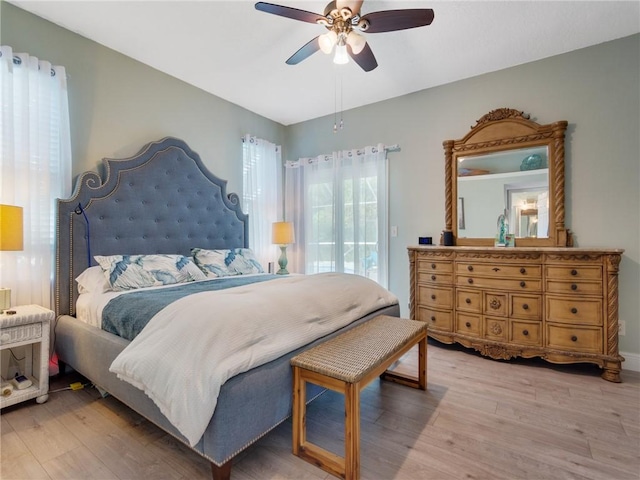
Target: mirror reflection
point(513, 183)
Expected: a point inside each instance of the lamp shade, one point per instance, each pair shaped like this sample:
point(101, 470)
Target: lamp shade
point(10, 227)
point(283, 233)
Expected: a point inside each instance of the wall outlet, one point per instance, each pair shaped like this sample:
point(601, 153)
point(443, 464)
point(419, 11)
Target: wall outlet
point(622, 330)
point(394, 231)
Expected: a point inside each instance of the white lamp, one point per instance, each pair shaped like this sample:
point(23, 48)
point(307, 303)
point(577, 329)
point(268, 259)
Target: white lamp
point(341, 57)
point(10, 240)
point(330, 39)
point(356, 42)
point(327, 41)
point(283, 235)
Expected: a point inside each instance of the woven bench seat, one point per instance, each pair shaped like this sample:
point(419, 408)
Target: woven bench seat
point(346, 364)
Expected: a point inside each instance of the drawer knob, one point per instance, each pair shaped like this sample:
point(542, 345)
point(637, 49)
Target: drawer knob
point(523, 284)
point(433, 318)
point(470, 268)
point(574, 272)
point(574, 286)
point(5, 338)
point(468, 300)
point(433, 265)
point(433, 297)
point(574, 310)
point(433, 277)
point(525, 332)
point(525, 306)
point(468, 325)
point(470, 280)
point(574, 338)
point(523, 271)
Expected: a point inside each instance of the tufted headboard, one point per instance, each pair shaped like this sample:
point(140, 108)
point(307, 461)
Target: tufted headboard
point(162, 200)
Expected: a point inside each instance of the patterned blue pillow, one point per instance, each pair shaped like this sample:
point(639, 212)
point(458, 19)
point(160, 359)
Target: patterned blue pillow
point(223, 263)
point(127, 272)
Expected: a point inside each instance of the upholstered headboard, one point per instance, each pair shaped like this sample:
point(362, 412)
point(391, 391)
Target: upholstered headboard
point(162, 200)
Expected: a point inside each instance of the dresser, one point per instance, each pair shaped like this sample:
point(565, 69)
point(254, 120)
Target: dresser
point(559, 304)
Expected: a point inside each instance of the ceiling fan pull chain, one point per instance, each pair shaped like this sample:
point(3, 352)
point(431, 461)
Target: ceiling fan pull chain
point(341, 107)
point(335, 101)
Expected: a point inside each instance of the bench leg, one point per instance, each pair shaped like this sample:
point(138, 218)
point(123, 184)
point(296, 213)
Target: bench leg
point(352, 431)
point(299, 412)
point(422, 364)
point(409, 380)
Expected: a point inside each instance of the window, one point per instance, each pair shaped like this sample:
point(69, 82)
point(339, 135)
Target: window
point(261, 173)
point(36, 168)
point(339, 206)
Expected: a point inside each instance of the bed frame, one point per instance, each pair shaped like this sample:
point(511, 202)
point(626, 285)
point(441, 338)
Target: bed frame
point(164, 200)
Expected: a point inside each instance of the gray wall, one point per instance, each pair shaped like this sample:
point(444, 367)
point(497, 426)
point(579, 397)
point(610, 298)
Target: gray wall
point(118, 104)
point(597, 90)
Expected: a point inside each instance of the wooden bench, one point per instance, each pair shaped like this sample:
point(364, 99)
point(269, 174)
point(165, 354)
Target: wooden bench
point(346, 364)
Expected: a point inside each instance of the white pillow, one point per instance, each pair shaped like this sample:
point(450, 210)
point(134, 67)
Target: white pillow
point(127, 272)
point(92, 280)
point(223, 263)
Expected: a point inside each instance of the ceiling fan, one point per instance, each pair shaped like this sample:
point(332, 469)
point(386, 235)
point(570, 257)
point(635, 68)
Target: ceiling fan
point(342, 19)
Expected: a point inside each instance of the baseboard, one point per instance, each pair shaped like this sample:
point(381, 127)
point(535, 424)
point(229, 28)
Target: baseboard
point(631, 361)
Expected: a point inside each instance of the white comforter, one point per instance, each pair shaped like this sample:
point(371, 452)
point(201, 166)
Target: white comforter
point(191, 347)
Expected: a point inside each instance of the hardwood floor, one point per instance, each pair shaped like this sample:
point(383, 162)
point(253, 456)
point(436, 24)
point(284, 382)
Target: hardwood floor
point(478, 419)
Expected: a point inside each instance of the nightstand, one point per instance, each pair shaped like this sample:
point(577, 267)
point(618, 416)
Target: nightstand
point(29, 328)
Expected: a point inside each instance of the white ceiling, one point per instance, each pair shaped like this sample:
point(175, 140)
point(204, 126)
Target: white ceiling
point(233, 51)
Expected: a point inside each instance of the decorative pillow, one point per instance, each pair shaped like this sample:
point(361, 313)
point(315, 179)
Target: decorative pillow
point(222, 263)
point(126, 272)
point(93, 280)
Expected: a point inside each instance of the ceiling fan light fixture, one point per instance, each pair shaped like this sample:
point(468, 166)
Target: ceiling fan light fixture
point(327, 41)
point(356, 42)
point(341, 57)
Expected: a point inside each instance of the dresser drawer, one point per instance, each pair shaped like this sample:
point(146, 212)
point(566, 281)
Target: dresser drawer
point(469, 324)
point(469, 300)
point(577, 339)
point(427, 265)
point(580, 288)
point(499, 283)
point(499, 270)
point(573, 272)
point(526, 306)
point(574, 311)
point(436, 319)
point(496, 304)
point(435, 278)
point(20, 333)
point(495, 329)
point(526, 333)
point(435, 297)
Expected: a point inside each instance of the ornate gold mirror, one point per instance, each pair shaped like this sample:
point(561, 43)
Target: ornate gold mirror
point(505, 182)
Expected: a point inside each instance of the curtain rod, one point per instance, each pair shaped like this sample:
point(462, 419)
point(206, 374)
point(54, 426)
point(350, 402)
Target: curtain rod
point(389, 148)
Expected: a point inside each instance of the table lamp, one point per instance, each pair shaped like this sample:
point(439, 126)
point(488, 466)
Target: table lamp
point(10, 240)
point(283, 235)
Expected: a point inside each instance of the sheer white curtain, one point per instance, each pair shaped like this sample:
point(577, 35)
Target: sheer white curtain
point(262, 180)
point(339, 206)
point(35, 163)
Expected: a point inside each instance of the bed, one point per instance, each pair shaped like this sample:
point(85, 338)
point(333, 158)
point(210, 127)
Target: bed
point(163, 200)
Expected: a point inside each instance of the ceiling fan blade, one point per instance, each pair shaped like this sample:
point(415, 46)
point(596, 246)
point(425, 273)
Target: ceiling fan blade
point(392, 20)
point(307, 50)
point(289, 12)
point(353, 5)
point(366, 59)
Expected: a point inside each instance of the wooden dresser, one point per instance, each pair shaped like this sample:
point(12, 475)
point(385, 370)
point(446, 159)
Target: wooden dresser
point(560, 304)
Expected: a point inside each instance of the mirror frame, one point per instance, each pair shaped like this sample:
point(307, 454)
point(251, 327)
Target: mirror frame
point(497, 131)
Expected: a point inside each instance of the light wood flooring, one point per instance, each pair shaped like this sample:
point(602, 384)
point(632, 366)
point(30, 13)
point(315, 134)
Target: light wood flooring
point(478, 419)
